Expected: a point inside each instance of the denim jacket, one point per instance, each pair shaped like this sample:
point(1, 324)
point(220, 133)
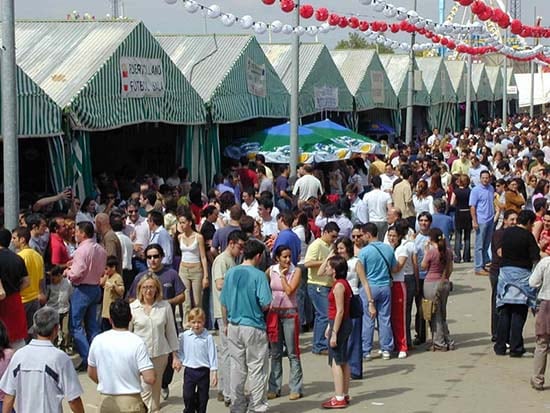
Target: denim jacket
point(513, 287)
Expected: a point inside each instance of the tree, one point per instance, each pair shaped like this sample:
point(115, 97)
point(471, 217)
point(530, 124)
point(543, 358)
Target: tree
point(356, 41)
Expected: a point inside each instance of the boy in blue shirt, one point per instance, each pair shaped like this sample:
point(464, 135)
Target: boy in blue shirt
point(198, 355)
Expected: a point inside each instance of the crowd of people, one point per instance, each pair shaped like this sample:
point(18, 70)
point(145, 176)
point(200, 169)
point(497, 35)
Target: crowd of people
point(134, 277)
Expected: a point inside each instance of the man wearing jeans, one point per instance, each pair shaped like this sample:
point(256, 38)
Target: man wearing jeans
point(376, 263)
point(87, 268)
point(482, 211)
point(318, 286)
point(245, 296)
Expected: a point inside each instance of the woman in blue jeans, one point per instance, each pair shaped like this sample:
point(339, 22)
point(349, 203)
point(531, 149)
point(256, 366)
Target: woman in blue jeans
point(283, 324)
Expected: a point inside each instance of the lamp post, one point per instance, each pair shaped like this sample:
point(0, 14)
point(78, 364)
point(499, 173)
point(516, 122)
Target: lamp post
point(410, 90)
point(294, 94)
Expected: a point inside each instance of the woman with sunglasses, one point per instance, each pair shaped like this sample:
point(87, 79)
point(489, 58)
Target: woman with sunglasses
point(153, 321)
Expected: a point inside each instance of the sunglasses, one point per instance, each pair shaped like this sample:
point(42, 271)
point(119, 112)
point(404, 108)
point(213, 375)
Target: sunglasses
point(153, 257)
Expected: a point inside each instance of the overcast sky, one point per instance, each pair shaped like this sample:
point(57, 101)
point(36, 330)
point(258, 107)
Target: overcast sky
point(160, 17)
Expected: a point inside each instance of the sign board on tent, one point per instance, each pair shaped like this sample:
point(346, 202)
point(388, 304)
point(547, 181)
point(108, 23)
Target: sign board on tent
point(255, 78)
point(141, 77)
point(326, 97)
point(377, 86)
point(512, 90)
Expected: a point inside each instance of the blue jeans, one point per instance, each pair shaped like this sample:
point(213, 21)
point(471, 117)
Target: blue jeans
point(287, 333)
point(85, 302)
point(319, 299)
point(382, 302)
point(355, 350)
point(484, 234)
point(305, 310)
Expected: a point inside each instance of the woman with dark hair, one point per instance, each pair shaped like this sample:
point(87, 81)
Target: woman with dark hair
point(87, 211)
point(405, 255)
point(283, 324)
point(438, 263)
point(422, 199)
point(227, 200)
point(6, 352)
point(463, 222)
point(436, 187)
point(514, 199)
point(541, 190)
point(196, 202)
point(338, 331)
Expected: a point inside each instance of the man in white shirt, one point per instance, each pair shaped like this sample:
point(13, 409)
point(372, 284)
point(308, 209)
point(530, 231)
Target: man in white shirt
point(137, 229)
point(269, 224)
point(250, 205)
point(307, 186)
point(475, 170)
point(118, 361)
point(359, 213)
point(160, 236)
point(127, 250)
point(435, 136)
point(39, 376)
point(378, 202)
point(388, 178)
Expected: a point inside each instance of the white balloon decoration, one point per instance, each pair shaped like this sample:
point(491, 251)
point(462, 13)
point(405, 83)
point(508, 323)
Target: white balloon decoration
point(259, 27)
point(324, 28)
point(276, 26)
point(365, 2)
point(312, 30)
point(246, 22)
point(191, 6)
point(420, 24)
point(214, 11)
point(379, 5)
point(390, 11)
point(287, 29)
point(228, 19)
point(401, 13)
point(413, 16)
point(299, 30)
point(171, 1)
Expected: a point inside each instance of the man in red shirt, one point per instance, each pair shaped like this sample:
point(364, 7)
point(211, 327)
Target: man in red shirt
point(59, 252)
point(249, 178)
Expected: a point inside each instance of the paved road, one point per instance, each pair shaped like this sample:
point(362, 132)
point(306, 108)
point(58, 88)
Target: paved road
point(469, 379)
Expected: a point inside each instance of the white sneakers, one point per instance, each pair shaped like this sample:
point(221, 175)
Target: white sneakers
point(402, 355)
point(385, 355)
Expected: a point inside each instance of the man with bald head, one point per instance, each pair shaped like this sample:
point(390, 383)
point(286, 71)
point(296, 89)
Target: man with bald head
point(108, 238)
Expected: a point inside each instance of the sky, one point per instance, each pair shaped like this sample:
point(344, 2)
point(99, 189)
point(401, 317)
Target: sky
point(161, 17)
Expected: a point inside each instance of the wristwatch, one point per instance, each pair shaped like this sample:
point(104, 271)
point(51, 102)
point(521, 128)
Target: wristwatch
point(371, 301)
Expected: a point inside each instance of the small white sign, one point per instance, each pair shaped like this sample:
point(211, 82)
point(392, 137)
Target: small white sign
point(256, 78)
point(141, 77)
point(326, 97)
point(512, 90)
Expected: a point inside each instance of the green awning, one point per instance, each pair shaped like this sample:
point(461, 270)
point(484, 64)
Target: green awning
point(322, 87)
point(232, 75)
point(81, 66)
point(366, 79)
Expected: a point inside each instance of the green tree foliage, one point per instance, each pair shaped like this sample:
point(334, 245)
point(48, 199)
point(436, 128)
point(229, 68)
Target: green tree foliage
point(356, 41)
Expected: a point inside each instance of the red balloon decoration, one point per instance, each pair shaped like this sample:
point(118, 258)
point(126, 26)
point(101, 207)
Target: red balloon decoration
point(516, 26)
point(306, 11)
point(343, 23)
point(321, 14)
point(436, 39)
point(363, 25)
point(465, 3)
point(486, 15)
point(383, 26)
point(287, 6)
point(353, 22)
point(394, 27)
point(444, 41)
point(268, 2)
point(478, 7)
point(333, 19)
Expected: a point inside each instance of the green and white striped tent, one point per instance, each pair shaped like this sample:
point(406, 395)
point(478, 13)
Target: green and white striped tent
point(366, 79)
point(442, 110)
point(231, 74)
point(458, 73)
point(322, 87)
point(94, 71)
point(397, 67)
point(496, 80)
point(512, 88)
point(38, 116)
point(481, 82)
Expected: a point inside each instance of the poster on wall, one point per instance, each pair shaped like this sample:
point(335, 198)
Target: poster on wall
point(377, 86)
point(326, 97)
point(255, 78)
point(141, 77)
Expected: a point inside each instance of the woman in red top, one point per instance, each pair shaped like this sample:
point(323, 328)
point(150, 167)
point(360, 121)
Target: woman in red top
point(338, 332)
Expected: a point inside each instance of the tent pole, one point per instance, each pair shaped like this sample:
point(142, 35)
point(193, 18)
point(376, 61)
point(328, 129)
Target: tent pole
point(505, 86)
point(294, 94)
point(410, 91)
point(9, 118)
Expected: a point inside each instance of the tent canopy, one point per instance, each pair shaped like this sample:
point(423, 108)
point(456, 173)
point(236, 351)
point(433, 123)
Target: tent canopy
point(243, 85)
point(496, 80)
point(322, 87)
point(481, 83)
point(397, 67)
point(106, 74)
point(458, 74)
point(366, 79)
point(37, 114)
point(542, 88)
point(437, 80)
point(340, 134)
